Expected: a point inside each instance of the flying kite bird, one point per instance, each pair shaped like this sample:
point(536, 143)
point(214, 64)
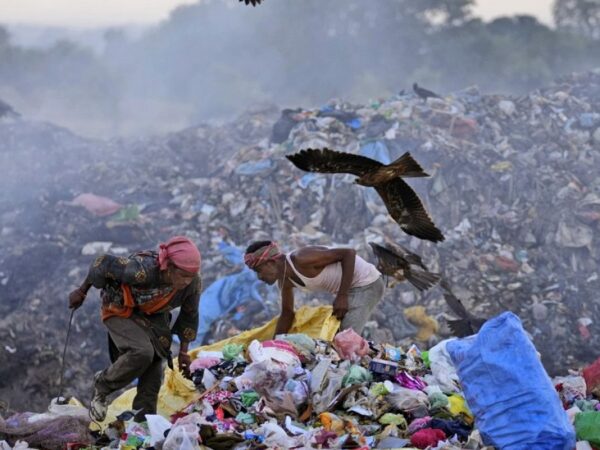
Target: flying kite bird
point(468, 324)
point(424, 93)
point(398, 262)
point(401, 201)
point(251, 2)
point(7, 110)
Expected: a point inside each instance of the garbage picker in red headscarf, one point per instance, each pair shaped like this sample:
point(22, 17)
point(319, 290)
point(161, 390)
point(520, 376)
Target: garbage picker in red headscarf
point(138, 292)
point(356, 284)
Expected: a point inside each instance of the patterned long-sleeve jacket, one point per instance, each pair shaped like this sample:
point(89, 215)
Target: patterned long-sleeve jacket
point(133, 287)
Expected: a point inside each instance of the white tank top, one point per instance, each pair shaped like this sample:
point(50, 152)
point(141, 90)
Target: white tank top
point(330, 278)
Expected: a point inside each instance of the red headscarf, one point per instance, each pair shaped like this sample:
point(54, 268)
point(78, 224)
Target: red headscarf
point(263, 254)
point(182, 252)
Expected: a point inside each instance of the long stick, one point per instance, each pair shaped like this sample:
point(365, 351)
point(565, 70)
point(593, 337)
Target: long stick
point(62, 368)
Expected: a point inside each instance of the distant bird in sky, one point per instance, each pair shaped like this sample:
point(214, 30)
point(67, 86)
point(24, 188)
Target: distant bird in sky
point(7, 111)
point(468, 324)
point(401, 201)
point(251, 2)
point(424, 93)
point(400, 263)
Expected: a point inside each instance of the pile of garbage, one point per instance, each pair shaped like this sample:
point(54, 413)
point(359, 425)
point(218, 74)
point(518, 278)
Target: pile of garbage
point(496, 163)
point(297, 392)
point(482, 392)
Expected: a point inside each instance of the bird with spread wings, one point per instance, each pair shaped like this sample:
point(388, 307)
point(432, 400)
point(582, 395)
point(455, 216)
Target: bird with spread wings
point(251, 2)
point(401, 201)
point(398, 262)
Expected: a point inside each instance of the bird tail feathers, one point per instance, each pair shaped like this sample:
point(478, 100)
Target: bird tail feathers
point(460, 328)
point(407, 166)
point(422, 280)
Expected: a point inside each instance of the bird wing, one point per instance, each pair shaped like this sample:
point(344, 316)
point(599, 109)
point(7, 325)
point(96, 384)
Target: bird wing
point(455, 304)
point(468, 323)
point(387, 258)
point(251, 2)
point(461, 328)
point(410, 257)
point(391, 260)
point(406, 208)
point(331, 161)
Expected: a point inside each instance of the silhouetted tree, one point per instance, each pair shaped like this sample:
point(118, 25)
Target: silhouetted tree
point(578, 16)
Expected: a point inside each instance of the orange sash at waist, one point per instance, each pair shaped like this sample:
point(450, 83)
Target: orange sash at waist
point(149, 307)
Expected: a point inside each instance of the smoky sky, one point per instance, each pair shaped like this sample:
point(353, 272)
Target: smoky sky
point(212, 60)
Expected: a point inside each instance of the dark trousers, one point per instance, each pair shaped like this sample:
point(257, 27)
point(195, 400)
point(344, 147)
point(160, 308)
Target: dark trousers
point(135, 358)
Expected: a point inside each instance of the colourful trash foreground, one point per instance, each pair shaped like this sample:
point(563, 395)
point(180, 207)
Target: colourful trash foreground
point(315, 389)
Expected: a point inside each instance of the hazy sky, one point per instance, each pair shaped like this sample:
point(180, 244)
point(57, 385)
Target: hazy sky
point(90, 13)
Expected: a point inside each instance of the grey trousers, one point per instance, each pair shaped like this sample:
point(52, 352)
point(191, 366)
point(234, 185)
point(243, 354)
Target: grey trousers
point(361, 303)
point(136, 358)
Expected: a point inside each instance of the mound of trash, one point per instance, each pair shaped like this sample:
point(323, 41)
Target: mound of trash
point(514, 187)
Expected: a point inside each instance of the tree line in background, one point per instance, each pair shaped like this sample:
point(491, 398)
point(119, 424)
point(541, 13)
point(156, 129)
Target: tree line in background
point(214, 59)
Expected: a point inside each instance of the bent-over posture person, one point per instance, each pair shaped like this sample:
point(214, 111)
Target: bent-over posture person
point(357, 285)
point(138, 293)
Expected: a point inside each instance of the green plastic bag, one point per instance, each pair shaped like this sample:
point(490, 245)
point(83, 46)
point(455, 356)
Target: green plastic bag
point(231, 351)
point(249, 398)
point(356, 374)
point(425, 358)
point(379, 389)
point(395, 419)
point(587, 427)
point(128, 213)
point(245, 418)
point(438, 400)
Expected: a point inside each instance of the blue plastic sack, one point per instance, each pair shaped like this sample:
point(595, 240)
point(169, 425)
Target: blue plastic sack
point(506, 387)
point(255, 167)
point(376, 150)
point(355, 124)
point(232, 254)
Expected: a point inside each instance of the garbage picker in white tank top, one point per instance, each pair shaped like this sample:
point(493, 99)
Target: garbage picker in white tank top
point(330, 278)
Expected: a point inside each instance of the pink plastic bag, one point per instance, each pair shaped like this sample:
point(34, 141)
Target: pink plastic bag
point(204, 362)
point(350, 345)
point(281, 345)
point(100, 206)
point(275, 351)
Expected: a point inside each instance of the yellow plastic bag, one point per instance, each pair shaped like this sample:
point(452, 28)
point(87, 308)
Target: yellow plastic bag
point(177, 392)
point(458, 407)
point(428, 326)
